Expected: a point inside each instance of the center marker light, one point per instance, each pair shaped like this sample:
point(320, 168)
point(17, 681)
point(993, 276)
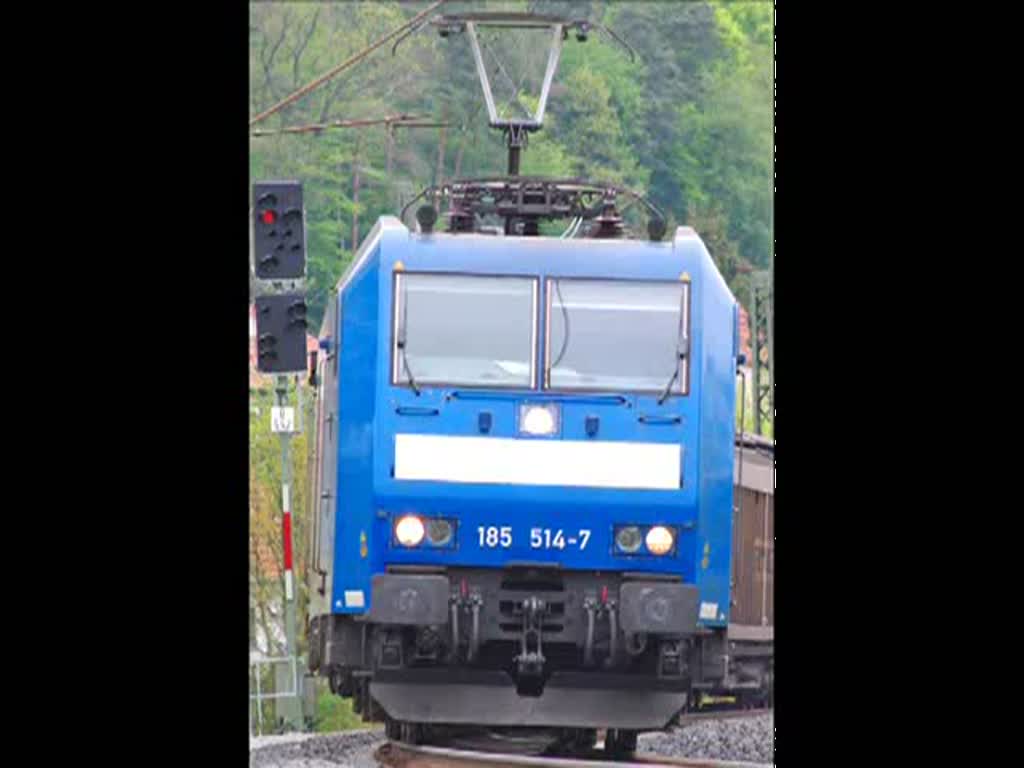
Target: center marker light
point(538, 419)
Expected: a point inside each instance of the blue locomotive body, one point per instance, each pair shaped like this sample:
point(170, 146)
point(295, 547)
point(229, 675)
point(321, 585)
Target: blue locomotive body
point(524, 477)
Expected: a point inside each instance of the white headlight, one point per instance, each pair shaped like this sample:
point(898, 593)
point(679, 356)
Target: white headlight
point(659, 540)
point(538, 419)
point(409, 531)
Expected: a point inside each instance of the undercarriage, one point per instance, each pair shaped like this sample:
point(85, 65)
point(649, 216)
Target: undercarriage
point(521, 647)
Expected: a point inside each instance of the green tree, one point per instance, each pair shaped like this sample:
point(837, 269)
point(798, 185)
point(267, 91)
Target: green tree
point(723, 157)
point(689, 123)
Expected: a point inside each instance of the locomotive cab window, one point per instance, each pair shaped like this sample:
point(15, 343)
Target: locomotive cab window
point(467, 330)
point(618, 335)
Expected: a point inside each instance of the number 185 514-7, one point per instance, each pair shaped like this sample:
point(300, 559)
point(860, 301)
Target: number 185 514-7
point(493, 537)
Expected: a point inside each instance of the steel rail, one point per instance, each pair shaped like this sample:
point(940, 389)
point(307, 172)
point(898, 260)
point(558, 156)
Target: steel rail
point(692, 762)
point(399, 755)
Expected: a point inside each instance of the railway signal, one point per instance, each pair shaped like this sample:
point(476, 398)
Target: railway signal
point(279, 265)
point(279, 251)
point(281, 333)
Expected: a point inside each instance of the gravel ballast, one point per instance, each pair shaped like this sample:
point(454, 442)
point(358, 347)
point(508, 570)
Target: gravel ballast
point(352, 749)
point(749, 740)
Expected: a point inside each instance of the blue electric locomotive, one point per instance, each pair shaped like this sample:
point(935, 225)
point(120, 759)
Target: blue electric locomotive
point(526, 477)
point(525, 456)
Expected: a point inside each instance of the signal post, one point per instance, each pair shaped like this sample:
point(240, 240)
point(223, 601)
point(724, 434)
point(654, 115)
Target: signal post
point(279, 264)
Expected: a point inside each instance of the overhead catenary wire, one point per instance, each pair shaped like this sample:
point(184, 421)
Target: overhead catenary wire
point(399, 121)
point(310, 87)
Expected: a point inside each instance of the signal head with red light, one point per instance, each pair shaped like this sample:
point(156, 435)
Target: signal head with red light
point(279, 242)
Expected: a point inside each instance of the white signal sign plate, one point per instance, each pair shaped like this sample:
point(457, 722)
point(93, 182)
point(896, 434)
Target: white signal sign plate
point(282, 419)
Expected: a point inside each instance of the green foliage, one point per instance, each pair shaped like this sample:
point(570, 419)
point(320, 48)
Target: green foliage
point(588, 121)
point(722, 151)
point(333, 712)
point(545, 157)
point(712, 223)
point(689, 123)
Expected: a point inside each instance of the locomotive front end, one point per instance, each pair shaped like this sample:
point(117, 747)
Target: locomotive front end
point(536, 480)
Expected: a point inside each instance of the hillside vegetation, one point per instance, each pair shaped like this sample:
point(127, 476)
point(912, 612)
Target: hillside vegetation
point(689, 123)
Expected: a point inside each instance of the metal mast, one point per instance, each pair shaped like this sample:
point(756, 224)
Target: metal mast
point(761, 339)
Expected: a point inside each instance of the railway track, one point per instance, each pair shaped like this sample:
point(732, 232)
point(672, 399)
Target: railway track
point(398, 755)
point(486, 749)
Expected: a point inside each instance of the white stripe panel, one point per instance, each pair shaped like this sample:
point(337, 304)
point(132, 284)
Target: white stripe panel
point(288, 588)
point(285, 498)
point(538, 462)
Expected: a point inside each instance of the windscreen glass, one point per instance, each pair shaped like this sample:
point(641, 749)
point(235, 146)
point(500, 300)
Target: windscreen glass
point(465, 329)
point(617, 335)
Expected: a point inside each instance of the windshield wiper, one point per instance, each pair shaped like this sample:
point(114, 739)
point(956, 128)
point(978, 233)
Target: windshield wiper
point(682, 347)
point(565, 334)
point(405, 366)
point(682, 350)
point(400, 343)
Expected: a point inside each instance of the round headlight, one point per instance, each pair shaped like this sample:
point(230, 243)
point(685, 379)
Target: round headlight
point(439, 532)
point(409, 531)
point(628, 539)
point(660, 540)
point(538, 421)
